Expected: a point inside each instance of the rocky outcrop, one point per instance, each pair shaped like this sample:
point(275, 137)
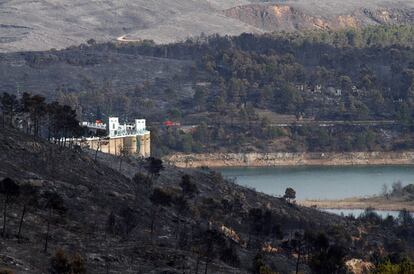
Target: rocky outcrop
point(280, 17)
point(289, 159)
point(358, 266)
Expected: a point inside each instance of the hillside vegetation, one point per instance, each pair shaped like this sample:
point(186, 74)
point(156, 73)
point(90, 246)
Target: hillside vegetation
point(317, 91)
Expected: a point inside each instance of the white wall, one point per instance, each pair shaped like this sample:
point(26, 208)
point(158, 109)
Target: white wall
point(113, 125)
point(140, 124)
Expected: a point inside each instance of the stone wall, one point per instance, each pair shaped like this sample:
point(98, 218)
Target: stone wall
point(135, 145)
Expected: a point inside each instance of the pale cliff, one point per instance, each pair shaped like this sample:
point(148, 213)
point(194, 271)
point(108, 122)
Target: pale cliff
point(289, 159)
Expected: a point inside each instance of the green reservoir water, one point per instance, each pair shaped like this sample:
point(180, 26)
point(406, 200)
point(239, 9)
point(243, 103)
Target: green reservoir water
point(321, 182)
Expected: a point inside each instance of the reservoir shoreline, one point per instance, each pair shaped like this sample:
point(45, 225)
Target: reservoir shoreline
point(303, 184)
point(375, 203)
point(220, 160)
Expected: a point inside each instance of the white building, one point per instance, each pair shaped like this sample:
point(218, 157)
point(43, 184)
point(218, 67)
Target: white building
point(133, 139)
point(115, 129)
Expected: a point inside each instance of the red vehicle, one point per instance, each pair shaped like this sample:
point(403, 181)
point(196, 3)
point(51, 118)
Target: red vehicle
point(170, 123)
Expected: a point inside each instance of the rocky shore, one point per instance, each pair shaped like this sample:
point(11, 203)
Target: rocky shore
point(290, 159)
point(376, 203)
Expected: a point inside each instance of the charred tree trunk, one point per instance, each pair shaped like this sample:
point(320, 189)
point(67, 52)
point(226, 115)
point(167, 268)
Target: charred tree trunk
point(21, 222)
point(206, 268)
point(5, 215)
point(107, 265)
point(154, 215)
point(197, 264)
point(298, 261)
point(47, 230)
point(96, 151)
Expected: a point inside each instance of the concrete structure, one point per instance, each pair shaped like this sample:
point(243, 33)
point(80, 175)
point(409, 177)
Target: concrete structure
point(130, 139)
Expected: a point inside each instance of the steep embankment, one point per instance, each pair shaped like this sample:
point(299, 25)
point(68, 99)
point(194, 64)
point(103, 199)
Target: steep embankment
point(107, 218)
point(290, 159)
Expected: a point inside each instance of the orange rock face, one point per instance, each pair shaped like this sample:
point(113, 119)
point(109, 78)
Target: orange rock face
point(287, 18)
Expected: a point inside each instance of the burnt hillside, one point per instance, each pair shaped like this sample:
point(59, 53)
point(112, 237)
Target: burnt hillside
point(92, 190)
point(197, 219)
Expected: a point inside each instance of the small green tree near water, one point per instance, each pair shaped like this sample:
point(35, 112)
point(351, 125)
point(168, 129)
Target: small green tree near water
point(290, 194)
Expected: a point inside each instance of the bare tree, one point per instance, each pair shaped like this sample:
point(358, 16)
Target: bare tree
point(189, 189)
point(142, 184)
point(10, 190)
point(158, 198)
point(9, 105)
point(128, 220)
point(384, 191)
point(101, 142)
point(53, 202)
point(298, 245)
point(397, 188)
point(29, 197)
point(124, 154)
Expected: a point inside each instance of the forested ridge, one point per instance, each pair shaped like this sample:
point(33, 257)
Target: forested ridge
point(253, 92)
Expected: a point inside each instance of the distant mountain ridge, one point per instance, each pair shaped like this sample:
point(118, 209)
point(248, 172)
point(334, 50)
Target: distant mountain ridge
point(42, 25)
